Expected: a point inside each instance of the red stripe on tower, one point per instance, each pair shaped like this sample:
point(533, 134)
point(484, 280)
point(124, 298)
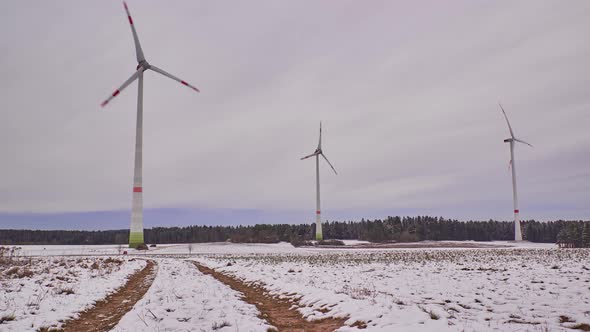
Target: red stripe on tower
point(130, 20)
point(516, 211)
point(317, 212)
point(137, 189)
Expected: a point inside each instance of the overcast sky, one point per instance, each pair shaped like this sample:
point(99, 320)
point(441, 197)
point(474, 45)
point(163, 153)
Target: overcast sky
point(407, 92)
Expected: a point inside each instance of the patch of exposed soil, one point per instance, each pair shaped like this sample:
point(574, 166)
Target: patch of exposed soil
point(278, 312)
point(107, 312)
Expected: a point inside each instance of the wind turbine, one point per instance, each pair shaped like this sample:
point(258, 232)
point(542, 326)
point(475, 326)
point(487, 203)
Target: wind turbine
point(512, 140)
point(317, 153)
point(136, 230)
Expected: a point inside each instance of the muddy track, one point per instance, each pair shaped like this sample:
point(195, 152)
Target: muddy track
point(107, 312)
point(278, 312)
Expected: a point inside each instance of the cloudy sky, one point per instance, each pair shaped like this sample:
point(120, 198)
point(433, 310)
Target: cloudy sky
point(407, 92)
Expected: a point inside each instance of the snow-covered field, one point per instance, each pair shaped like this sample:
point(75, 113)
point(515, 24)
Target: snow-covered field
point(42, 292)
point(62, 250)
point(183, 299)
point(284, 247)
point(526, 287)
point(427, 290)
point(225, 247)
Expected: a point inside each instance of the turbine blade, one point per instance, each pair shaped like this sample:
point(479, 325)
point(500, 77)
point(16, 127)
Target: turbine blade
point(320, 142)
point(329, 163)
point(311, 155)
point(521, 141)
point(114, 94)
point(160, 71)
point(138, 50)
point(508, 122)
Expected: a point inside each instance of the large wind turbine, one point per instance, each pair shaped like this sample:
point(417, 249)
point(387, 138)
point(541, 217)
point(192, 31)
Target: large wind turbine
point(512, 140)
point(317, 153)
point(136, 231)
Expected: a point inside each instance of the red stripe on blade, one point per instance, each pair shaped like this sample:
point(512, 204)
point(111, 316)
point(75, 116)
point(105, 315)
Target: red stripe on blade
point(104, 103)
point(183, 82)
point(130, 20)
point(137, 189)
point(125, 4)
point(116, 93)
point(516, 211)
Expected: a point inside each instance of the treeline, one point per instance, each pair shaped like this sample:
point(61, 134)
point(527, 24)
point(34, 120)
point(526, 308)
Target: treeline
point(400, 229)
point(575, 235)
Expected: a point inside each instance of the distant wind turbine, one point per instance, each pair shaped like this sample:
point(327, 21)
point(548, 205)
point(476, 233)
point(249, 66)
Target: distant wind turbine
point(136, 231)
point(511, 140)
point(317, 153)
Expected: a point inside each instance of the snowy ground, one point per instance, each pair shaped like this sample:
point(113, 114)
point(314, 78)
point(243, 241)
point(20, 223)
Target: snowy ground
point(59, 250)
point(427, 290)
point(41, 292)
point(529, 287)
point(183, 299)
point(222, 247)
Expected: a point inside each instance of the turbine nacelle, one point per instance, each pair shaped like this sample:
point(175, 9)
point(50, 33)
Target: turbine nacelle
point(143, 64)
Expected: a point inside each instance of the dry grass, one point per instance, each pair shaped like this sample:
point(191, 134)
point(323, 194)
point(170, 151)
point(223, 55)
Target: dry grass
point(581, 326)
point(566, 319)
point(113, 261)
point(521, 321)
point(430, 313)
point(359, 324)
point(8, 255)
point(18, 272)
point(218, 326)
point(49, 329)
point(7, 318)
point(67, 290)
point(359, 293)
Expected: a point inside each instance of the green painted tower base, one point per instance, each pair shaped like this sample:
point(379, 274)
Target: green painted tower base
point(135, 239)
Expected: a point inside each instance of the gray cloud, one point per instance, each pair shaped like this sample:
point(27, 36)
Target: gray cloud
point(407, 93)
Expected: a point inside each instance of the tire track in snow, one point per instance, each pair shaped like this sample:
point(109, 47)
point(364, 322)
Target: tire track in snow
point(279, 312)
point(107, 312)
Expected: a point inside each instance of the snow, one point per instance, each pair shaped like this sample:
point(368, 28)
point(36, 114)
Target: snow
point(353, 242)
point(183, 299)
point(227, 247)
point(222, 247)
point(497, 289)
point(41, 300)
point(64, 250)
point(511, 286)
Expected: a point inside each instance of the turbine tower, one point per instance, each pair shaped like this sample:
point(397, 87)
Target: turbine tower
point(512, 140)
point(317, 153)
point(136, 230)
